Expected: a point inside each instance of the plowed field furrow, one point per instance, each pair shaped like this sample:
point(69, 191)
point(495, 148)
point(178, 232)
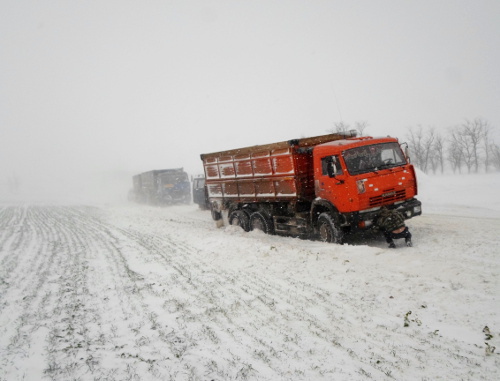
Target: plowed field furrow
point(245, 308)
point(11, 239)
point(106, 279)
point(304, 317)
point(104, 252)
point(29, 289)
point(215, 298)
point(10, 221)
point(151, 294)
point(29, 262)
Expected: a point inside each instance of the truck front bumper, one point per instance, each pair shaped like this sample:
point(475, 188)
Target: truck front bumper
point(364, 220)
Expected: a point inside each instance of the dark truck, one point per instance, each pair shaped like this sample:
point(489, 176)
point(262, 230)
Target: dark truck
point(200, 194)
point(162, 187)
point(321, 187)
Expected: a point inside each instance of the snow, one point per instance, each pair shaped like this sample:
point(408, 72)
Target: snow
point(127, 292)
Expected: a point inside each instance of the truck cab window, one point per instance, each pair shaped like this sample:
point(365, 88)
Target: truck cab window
point(373, 158)
point(330, 166)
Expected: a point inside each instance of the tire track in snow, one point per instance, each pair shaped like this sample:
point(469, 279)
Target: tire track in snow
point(115, 300)
point(290, 321)
point(376, 355)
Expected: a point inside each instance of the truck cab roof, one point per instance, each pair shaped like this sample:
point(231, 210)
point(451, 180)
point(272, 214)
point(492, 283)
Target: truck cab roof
point(353, 143)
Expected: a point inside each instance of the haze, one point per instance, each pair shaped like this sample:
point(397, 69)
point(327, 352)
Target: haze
point(107, 89)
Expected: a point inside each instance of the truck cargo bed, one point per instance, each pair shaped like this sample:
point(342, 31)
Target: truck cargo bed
point(273, 172)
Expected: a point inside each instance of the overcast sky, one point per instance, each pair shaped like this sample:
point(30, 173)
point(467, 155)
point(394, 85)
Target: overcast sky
point(137, 85)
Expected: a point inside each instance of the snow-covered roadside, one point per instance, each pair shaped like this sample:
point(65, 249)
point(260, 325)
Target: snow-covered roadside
point(118, 292)
point(474, 195)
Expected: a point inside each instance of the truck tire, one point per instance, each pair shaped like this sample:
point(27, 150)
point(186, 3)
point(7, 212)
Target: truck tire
point(258, 221)
point(240, 218)
point(329, 229)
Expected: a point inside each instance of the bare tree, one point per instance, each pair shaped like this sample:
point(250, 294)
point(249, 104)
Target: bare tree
point(495, 156)
point(455, 156)
point(428, 144)
point(415, 139)
point(438, 149)
point(345, 128)
point(360, 127)
point(422, 147)
point(486, 144)
point(341, 128)
point(466, 148)
point(468, 144)
point(472, 132)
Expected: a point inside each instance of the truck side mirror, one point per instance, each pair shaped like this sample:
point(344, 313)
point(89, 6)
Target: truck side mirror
point(407, 153)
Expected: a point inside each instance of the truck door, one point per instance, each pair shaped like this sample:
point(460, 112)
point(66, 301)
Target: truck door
point(331, 180)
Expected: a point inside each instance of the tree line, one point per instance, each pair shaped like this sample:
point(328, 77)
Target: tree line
point(468, 146)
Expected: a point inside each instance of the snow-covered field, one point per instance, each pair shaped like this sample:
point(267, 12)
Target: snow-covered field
point(127, 292)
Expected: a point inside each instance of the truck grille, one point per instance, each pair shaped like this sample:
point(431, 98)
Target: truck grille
point(389, 196)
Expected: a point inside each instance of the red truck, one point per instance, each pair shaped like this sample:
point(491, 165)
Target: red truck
point(322, 187)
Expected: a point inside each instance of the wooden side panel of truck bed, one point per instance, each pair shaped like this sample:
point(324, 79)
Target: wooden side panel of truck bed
point(265, 175)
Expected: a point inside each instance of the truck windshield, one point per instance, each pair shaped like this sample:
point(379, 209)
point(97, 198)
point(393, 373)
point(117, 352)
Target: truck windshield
point(373, 158)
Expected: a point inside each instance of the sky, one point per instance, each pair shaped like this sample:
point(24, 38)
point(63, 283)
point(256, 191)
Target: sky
point(129, 86)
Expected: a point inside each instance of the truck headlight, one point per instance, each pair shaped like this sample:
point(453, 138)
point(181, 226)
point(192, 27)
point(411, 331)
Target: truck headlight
point(417, 209)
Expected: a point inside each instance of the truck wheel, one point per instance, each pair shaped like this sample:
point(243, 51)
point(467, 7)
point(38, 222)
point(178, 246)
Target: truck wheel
point(258, 221)
point(329, 229)
point(240, 218)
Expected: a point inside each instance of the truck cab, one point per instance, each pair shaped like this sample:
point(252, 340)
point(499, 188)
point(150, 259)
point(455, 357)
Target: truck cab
point(200, 194)
point(355, 177)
